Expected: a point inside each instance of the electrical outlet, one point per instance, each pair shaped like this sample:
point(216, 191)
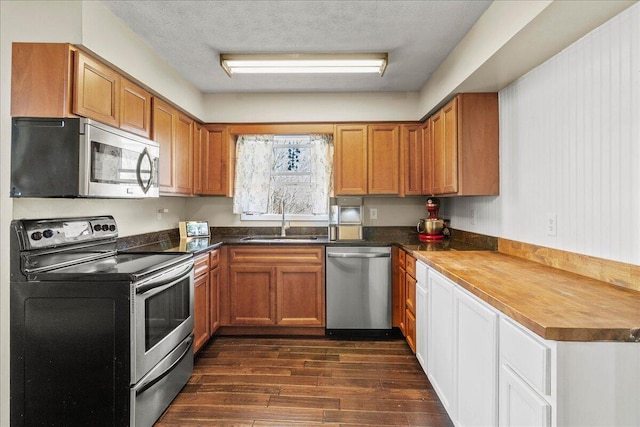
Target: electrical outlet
point(473, 217)
point(373, 213)
point(551, 224)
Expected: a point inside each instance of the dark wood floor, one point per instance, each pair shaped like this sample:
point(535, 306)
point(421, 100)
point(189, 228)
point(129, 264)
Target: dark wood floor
point(242, 381)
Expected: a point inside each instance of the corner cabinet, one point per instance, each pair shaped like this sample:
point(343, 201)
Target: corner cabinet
point(366, 159)
point(276, 286)
point(461, 147)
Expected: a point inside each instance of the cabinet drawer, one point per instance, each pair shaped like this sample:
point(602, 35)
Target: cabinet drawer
point(410, 265)
point(402, 256)
point(275, 255)
point(201, 265)
point(214, 258)
point(526, 355)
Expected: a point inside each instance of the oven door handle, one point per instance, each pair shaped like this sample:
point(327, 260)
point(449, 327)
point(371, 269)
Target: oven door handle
point(184, 348)
point(163, 282)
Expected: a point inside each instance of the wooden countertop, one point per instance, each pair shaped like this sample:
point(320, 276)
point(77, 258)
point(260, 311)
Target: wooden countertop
point(555, 304)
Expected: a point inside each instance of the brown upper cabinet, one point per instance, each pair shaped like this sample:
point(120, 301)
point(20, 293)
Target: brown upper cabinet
point(211, 147)
point(135, 108)
point(462, 142)
point(427, 156)
point(383, 160)
point(58, 80)
point(350, 160)
point(96, 90)
point(411, 164)
point(366, 159)
point(173, 130)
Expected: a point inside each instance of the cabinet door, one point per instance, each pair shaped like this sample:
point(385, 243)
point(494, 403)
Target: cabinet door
point(410, 307)
point(440, 361)
point(200, 138)
point(41, 76)
point(252, 295)
point(163, 134)
point(402, 284)
point(214, 156)
point(135, 109)
point(422, 301)
point(184, 154)
point(476, 356)
point(350, 160)
point(437, 152)
point(520, 405)
point(397, 298)
point(383, 159)
point(214, 299)
point(411, 160)
point(410, 327)
point(201, 311)
point(96, 91)
point(300, 295)
point(448, 157)
point(427, 157)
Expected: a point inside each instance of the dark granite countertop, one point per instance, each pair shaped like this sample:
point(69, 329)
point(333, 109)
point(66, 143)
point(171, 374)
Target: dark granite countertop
point(404, 237)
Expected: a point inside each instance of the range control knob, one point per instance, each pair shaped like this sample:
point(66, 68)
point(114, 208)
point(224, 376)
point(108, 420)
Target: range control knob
point(97, 227)
point(36, 235)
point(112, 227)
point(48, 233)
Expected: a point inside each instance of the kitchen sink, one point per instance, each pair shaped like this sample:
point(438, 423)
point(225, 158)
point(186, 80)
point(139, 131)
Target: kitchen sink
point(283, 239)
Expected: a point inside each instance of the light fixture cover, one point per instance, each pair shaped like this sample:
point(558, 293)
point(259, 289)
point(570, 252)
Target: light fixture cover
point(238, 63)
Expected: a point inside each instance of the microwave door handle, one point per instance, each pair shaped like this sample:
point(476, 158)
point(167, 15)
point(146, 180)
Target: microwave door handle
point(145, 186)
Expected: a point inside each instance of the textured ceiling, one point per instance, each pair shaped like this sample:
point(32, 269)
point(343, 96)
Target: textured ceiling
point(190, 35)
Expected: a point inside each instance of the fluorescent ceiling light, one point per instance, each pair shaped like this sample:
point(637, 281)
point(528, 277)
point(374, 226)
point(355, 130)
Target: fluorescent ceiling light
point(236, 63)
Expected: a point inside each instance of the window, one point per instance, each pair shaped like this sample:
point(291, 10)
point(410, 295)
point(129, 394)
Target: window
point(292, 169)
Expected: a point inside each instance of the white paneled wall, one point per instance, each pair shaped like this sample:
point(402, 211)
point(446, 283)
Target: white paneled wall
point(570, 147)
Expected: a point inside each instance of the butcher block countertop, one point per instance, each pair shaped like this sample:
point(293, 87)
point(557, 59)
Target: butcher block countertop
point(555, 304)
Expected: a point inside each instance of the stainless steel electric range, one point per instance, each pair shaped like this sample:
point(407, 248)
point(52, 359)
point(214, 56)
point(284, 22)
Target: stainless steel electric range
point(98, 337)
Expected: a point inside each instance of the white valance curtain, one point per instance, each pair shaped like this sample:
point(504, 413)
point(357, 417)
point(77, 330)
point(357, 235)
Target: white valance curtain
point(255, 164)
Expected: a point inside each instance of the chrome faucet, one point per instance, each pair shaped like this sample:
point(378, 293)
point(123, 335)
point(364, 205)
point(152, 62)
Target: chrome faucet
point(284, 226)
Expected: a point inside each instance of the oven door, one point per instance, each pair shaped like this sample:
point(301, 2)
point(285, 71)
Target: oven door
point(163, 316)
point(114, 164)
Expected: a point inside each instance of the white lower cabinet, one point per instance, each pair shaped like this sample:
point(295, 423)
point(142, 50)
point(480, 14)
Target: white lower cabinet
point(489, 370)
point(520, 405)
point(476, 360)
point(440, 340)
point(422, 310)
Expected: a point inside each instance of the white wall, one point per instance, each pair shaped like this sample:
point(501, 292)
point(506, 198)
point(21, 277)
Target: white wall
point(570, 146)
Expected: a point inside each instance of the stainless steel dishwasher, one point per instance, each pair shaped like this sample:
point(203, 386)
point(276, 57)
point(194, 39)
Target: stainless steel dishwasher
point(358, 280)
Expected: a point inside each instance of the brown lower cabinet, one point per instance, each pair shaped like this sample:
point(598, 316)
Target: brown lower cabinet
point(206, 298)
point(403, 288)
point(276, 286)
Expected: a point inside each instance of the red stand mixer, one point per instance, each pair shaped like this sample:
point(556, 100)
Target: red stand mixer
point(430, 229)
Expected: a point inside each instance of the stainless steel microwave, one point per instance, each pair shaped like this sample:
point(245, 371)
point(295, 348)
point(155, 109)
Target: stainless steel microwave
point(78, 157)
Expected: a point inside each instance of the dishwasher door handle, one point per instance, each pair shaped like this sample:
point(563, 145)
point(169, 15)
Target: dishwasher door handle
point(356, 255)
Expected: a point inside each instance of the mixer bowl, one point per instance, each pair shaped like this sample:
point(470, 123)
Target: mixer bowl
point(430, 227)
